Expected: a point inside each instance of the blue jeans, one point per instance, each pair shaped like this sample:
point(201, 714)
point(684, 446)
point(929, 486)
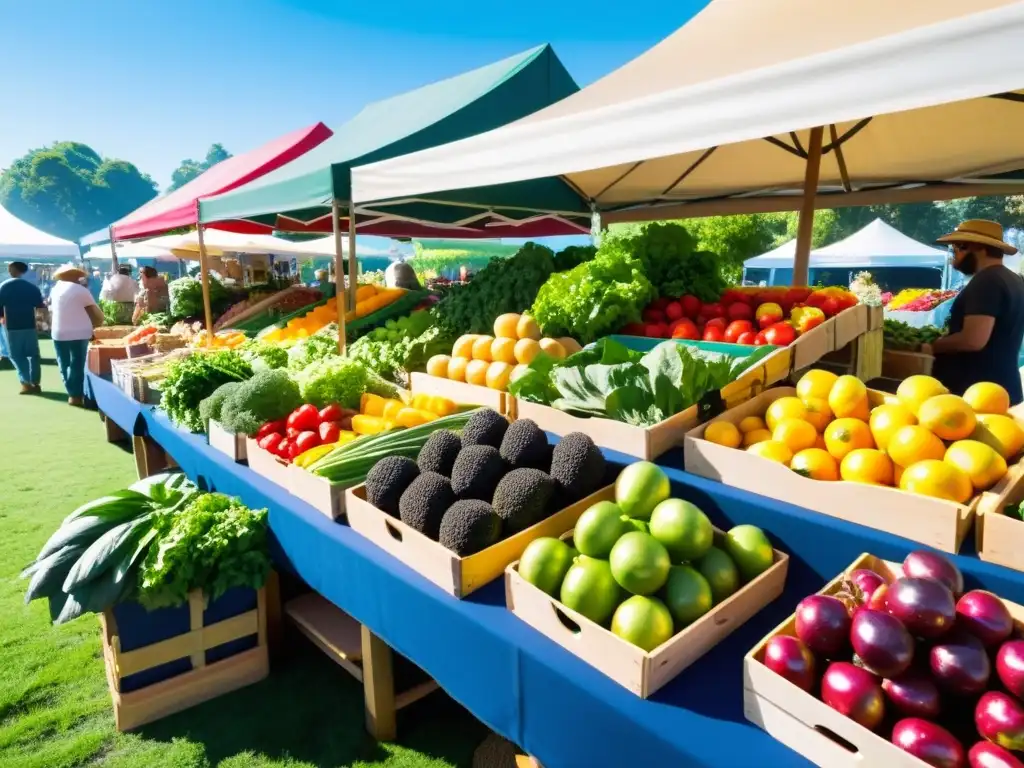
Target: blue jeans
point(4, 352)
point(23, 347)
point(71, 361)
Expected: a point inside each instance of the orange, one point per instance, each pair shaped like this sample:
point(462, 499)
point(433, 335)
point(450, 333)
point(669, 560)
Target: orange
point(525, 350)
point(438, 366)
point(986, 397)
point(815, 384)
point(818, 413)
point(552, 348)
point(796, 434)
point(482, 348)
point(457, 368)
point(750, 423)
point(914, 390)
point(849, 398)
point(527, 328)
point(476, 372)
point(773, 451)
point(1002, 433)
point(819, 442)
point(948, 416)
point(724, 433)
point(756, 436)
point(897, 473)
point(911, 444)
point(463, 346)
point(937, 479)
point(815, 464)
point(867, 465)
point(845, 435)
point(886, 419)
point(505, 326)
point(497, 375)
point(784, 408)
point(982, 464)
point(503, 351)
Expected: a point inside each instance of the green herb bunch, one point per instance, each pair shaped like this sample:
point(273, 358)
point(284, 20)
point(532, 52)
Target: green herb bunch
point(194, 378)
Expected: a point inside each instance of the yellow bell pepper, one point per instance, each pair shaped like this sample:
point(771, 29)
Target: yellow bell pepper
point(303, 460)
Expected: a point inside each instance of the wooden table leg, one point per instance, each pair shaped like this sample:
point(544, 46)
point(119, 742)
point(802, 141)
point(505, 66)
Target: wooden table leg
point(275, 615)
point(149, 457)
point(114, 433)
point(378, 687)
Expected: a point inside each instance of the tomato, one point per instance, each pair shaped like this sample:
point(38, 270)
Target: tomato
point(652, 331)
point(740, 311)
point(780, 334)
point(712, 310)
point(747, 338)
point(653, 315)
point(332, 412)
point(674, 311)
point(284, 448)
point(830, 307)
point(304, 442)
point(292, 432)
point(633, 329)
point(759, 339)
point(713, 333)
point(270, 441)
point(270, 428)
point(329, 431)
point(735, 328)
point(691, 306)
point(304, 418)
point(685, 329)
point(796, 295)
point(716, 322)
point(660, 304)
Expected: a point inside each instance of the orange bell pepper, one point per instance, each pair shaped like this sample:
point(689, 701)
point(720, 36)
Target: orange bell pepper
point(804, 319)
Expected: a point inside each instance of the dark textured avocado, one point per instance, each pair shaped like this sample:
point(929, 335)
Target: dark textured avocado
point(577, 465)
point(485, 427)
point(387, 480)
point(424, 503)
point(439, 452)
point(469, 526)
point(521, 499)
point(525, 445)
point(476, 472)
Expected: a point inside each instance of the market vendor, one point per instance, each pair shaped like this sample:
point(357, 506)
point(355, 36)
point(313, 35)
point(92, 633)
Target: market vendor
point(153, 295)
point(986, 323)
point(120, 288)
point(324, 284)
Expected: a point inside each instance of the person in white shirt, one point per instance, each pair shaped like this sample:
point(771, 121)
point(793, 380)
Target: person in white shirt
point(121, 288)
point(73, 315)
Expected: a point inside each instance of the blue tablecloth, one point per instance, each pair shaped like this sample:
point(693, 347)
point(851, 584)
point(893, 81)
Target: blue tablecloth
point(526, 687)
point(115, 404)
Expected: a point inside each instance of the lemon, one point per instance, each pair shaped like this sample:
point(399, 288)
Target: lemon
point(724, 433)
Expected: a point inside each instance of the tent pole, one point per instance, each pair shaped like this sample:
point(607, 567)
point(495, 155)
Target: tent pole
point(113, 250)
point(353, 265)
point(339, 275)
point(204, 271)
point(805, 226)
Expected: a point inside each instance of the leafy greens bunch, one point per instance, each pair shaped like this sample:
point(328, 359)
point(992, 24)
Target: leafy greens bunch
point(213, 543)
point(186, 295)
point(310, 350)
point(609, 380)
point(400, 346)
point(261, 355)
point(194, 378)
point(340, 380)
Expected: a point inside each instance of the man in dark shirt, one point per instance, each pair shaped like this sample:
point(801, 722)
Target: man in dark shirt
point(19, 300)
point(986, 323)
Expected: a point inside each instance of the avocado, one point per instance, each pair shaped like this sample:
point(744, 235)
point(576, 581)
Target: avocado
point(439, 452)
point(424, 503)
point(476, 472)
point(469, 526)
point(521, 498)
point(387, 480)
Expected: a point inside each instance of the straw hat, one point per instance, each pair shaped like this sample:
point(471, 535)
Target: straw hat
point(979, 231)
point(68, 272)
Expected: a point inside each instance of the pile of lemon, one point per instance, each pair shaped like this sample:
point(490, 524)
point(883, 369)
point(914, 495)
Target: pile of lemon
point(923, 440)
point(495, 361)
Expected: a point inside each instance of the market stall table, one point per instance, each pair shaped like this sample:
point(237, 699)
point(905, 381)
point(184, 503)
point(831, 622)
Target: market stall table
point(524, 686)
point(119, 411)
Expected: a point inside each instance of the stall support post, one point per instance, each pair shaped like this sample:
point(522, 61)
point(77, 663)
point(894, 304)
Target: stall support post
point(204, 271)
point(113, 250)
point(353, 264)
point(339, 275)
point(805, 227)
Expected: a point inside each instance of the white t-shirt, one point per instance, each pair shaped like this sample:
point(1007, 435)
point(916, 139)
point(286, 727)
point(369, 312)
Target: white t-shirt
point(119, 287)
point(68, 319)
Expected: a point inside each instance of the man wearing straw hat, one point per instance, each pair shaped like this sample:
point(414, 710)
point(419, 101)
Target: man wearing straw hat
point(986, 323)
point(19, 300)
point(74, 314)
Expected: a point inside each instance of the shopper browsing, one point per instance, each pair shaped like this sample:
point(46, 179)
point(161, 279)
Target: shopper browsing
point(19, 300)
point(74, 314)
point(121, 289)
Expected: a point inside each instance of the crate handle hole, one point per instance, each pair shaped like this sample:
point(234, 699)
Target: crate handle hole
point(721, 621)
point(831, 735)
point(395, 533)
point(568, 623)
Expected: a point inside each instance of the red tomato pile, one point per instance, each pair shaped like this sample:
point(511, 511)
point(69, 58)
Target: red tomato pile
point(743, 315)
point(304, 428)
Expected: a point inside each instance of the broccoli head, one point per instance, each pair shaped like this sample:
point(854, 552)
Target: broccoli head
point(269, 395)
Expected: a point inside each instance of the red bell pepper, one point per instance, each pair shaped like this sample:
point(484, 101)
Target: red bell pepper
point(329, 432)
point(331, 412)
point(270, 428)
point(304, 418)
point(304, 442)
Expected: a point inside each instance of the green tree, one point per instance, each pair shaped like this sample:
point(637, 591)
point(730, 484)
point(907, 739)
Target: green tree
point(189, 169)
point(735, 238)
point(68, 190)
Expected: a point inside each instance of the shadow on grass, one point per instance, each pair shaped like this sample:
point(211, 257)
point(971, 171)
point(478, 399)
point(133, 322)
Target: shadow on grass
point(311, 710)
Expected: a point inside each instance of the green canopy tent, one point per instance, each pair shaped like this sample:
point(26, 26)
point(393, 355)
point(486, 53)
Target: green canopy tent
point(312, 193)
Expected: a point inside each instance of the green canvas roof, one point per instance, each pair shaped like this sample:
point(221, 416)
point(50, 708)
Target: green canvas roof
point(453, 109)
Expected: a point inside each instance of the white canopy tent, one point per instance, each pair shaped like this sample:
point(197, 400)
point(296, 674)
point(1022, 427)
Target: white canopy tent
point(219, 242)
point(761, 106)
point(22, 241)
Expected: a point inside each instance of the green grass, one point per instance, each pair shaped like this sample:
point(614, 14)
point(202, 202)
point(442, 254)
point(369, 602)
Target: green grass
point(55, 711)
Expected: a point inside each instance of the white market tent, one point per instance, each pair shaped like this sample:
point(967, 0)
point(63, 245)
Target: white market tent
point(761, 106)
point(22, 241)
point(219, 242)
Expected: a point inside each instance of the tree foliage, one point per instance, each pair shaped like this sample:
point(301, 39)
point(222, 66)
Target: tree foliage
point(68, 190)
point(190, 169)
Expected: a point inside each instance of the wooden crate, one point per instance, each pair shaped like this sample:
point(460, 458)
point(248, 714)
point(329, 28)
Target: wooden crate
point(203, 682)
point(266, 464)
point(101, 354)
point(231, 445)
point(900, 364)
point(807, 725)
point(318, 492)
point(938, 523)
point(458, 576)
point(999, 537)
point(640, 671)
point(107, 332)
point(458, 391)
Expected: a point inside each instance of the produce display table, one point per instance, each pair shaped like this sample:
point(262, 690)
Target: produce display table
point(119, 411)
point(524, 686)
point(936, 317)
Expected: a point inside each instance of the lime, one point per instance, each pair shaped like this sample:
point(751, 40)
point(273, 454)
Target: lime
point(687, 594)
point(639, 563)
point(640, 487)
point(643, 621)
point(589, 588)
point(638, 525)
point(685, 531)
point(599, 528)
point(750, 550)
point(720, 572)
point(545, 562)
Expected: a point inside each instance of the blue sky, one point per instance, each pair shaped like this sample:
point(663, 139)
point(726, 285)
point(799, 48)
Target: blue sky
point(155, 82)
